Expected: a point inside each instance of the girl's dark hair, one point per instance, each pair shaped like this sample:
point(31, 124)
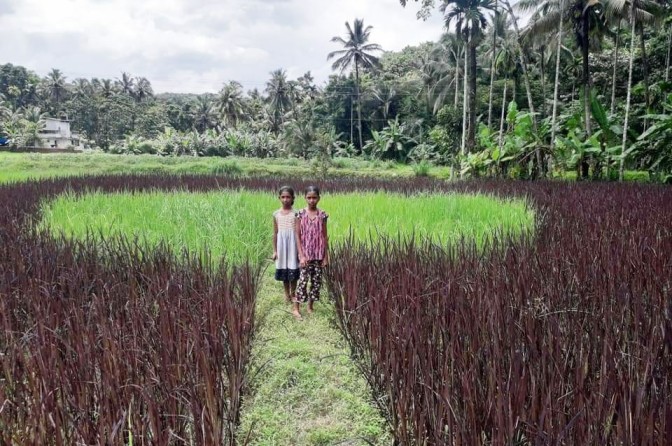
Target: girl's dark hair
point(286, 189)
point(312, 189)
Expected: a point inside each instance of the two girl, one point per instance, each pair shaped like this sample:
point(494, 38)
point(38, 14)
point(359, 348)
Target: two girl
point(301, 247)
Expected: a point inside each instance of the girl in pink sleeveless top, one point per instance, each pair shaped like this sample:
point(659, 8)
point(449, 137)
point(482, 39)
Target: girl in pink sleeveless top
point(313, 246)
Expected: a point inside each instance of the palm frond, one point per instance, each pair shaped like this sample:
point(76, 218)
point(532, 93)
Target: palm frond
point(543, 26)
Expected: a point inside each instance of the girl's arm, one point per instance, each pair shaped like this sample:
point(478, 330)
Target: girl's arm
point(275, 239)
point(325, 261)
point(299, 248)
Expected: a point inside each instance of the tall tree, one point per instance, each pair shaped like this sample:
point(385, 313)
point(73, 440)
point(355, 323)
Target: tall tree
point(126, 84)
point(384, 95)
point(498, 31)
point(279, 98)
point(56, 87)
point(82, 89)
point(588, 21)
point(539, 167)
point(231, 103)
point(107, 88)
point(142, 90)
point(356, 52)
point(639, 12)
point(541, 9)
point(204, 115)
point(642, 13)
point(470, 22)
point(445, 65)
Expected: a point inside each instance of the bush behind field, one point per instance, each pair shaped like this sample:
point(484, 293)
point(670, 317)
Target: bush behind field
point(22, 166)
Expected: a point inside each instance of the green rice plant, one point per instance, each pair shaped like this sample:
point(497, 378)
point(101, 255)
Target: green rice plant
point(238, 223)
point(232, 223)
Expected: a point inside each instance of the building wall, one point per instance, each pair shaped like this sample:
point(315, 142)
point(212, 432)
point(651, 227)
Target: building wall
point(59, 142)
point(56, 126)
point(56, 134)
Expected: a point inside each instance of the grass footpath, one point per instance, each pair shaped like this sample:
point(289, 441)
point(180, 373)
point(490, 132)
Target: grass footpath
point(308, 390)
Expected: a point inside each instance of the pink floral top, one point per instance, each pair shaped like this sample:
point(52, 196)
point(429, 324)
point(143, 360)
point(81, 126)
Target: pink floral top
point(313, 242)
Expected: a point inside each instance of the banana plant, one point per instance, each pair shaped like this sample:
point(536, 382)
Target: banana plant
point(653, 146)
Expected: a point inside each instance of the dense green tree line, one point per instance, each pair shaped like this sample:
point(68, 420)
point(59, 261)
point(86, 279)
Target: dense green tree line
point(583, 86)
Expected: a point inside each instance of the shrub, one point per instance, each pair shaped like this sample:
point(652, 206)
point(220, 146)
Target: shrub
point(421, 169)
point(230, 168)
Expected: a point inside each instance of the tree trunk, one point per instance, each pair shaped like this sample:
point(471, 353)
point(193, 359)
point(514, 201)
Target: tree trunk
point(613, 76)
point(523, 61)
point(627, 99)
point(352, 112)
point(645, 65)
point(543, 83)
point(573, 91)
point(471, 135)
point(557, 78)
point(464, 104)
point(457, 83)
point(667, 59)
point(585, 80)
point(501, 119)
point(492, 65)
point(359, 105)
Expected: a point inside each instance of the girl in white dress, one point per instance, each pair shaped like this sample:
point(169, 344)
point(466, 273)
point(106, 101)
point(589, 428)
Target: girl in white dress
point(285, 252)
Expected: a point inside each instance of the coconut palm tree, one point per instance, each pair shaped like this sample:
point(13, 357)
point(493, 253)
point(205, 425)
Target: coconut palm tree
point(639, 13)
point(126, 84)
point(588, 21)
point(204, 115)
point(498, 31)
point(142, 89)
point(279, 98)
point(522, 54)
point(4, 109)
point(507, 63)
point(55, 86)
point(82, 88)
point(445, 64)
point(107, 88)
point(231, 103)
point(34, 115)
point(470, 22)
point(384, 95)
point(356, 52)
point(646, 12)
point(615, 53)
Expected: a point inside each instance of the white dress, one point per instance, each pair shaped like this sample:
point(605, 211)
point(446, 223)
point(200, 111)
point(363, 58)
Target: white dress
point(287, 263)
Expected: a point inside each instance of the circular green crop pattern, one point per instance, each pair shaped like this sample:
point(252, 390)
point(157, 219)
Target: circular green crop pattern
point(238, 224)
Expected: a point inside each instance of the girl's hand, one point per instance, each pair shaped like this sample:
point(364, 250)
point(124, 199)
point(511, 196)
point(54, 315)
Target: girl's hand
point(275, 256)
point(302, 262)
point(325, 262)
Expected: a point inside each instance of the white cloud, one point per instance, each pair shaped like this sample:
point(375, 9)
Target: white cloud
point(196, 46)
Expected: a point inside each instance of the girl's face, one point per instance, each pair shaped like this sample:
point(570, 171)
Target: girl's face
point(312, 198)
point(286, 199)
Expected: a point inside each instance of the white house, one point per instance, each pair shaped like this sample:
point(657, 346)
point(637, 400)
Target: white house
point(56, 134)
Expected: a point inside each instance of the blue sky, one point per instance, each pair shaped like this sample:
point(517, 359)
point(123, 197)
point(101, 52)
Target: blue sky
point(196, 46)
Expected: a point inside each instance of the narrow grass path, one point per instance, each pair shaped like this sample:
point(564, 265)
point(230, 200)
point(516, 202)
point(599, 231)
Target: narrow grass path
point(308, 391)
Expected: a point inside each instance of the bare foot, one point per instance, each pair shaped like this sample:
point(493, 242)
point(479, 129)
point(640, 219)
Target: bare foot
point(288, 300)
point(310, 308)
point(297, 315)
